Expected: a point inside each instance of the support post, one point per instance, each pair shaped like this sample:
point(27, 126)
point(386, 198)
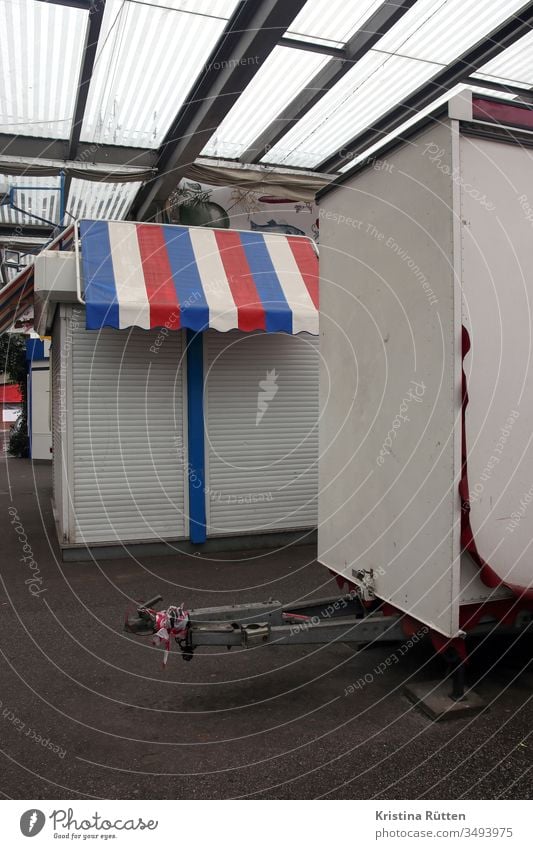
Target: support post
point(195, 430)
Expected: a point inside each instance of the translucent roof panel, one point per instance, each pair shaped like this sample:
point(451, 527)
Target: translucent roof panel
point(331, 22)
point(281, 77)
point(33, 194)
point(362, 95)
point(432, 33)
point(375, 148)
point(441, 30)
point(89, 199)
point(147, 60)
point(513, 65)
point(40, 57)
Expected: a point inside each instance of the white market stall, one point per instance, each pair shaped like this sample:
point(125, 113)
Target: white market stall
point(185, 382)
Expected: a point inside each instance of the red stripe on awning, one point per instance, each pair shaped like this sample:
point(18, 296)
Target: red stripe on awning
point(307, 262)
point(250, 311)
point(162, 296)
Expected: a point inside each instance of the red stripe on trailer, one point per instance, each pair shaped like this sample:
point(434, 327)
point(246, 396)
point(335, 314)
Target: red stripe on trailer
point(468, 543)
point(250, 310)
point(307, 262)
point(502, 113)
point(158, 279)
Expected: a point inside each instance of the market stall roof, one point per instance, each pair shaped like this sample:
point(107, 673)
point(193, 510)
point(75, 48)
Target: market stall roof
point(97, 88)
point(155, 275)
point(17, 297)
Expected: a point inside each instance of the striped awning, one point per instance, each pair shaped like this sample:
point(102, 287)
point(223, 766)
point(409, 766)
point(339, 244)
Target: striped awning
point(17, 296)
point(157, 275)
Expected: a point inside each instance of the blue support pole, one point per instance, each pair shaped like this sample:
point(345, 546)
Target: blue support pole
point(62, 199)
point(195, 425)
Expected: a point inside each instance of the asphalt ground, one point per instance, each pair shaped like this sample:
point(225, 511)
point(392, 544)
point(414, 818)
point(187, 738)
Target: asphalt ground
point(88, 712)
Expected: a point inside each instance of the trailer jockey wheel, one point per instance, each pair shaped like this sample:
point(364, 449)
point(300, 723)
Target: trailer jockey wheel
point(457, 670)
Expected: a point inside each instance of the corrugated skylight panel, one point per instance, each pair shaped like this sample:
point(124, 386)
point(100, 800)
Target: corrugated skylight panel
point(33, 194)
point(214, 8)
point(490, 92)
point(91, 199)
point(372, 87)
point(432, 33)
point(374, 150)
point(513, 65)
point(333, 21)
point(147, 61)
point(282, 76)
point(40, 60)
point(441, 30)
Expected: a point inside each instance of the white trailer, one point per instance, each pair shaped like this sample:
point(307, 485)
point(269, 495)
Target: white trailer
point(425, 252)
point(426, 398)
point(425, 472)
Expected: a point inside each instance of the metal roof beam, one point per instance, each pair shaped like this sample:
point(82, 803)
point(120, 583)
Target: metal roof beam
point(492, 85)
point(11, 232)
point(313, 47)
point(492, 45)
point(74, 4)
point(33, 149)
point(360, 43)
point(248, 39)
point(24, 244)
point(96, 16)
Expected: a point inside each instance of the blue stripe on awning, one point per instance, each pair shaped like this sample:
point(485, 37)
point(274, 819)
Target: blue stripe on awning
point(194, 309)
point(100, 289)
point(278, 314)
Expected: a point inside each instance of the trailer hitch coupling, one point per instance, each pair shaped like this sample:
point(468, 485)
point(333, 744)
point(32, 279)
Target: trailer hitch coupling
point(255, 632)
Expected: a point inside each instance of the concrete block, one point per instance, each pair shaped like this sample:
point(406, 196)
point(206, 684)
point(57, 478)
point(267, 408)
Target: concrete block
point(433, 697)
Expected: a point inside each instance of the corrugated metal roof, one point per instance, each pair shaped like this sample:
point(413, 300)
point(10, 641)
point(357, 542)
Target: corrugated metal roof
point(39, 66)
point(148, 57)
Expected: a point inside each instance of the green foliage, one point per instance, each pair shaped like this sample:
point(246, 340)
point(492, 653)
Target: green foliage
point(13, 363)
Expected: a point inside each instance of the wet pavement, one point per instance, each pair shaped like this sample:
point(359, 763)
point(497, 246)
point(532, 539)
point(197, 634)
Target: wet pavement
point(87, 710)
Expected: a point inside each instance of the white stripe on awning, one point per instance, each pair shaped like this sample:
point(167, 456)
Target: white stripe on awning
point(127, 266)
point(222, 308)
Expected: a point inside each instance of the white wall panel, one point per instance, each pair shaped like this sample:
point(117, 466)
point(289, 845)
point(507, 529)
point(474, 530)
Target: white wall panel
point(388, 498)
point(41, 438)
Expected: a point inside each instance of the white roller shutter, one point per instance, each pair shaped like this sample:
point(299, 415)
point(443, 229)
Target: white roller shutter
point(129, 442)
point(261, 413)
